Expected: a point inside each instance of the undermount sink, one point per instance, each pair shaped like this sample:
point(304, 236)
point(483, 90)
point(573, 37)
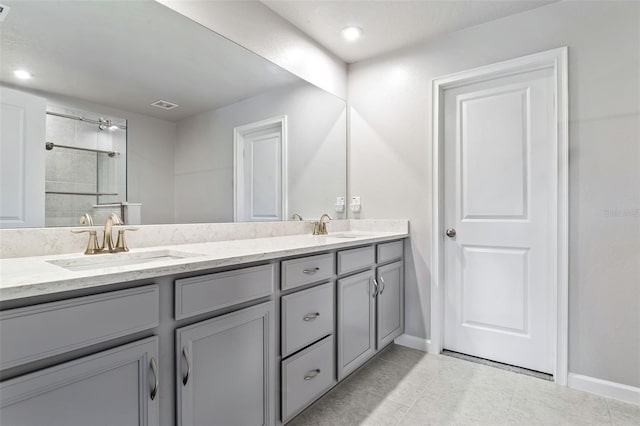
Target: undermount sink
point(111, 260)
point(347, 236)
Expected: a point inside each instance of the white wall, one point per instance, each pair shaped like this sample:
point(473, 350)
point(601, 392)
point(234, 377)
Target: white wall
point(390, 99)
point(316, 153)
point(254, 26)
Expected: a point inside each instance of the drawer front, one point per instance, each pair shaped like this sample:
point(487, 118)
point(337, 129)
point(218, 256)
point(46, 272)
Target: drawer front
point(355, 259)
point(208, 293)
point(307, 270)
point(306, 317)
point(306, 376)
point(40, 331)
point(389, 251)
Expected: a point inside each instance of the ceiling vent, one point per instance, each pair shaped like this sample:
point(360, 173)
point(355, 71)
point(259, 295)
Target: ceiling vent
point(164, 104)
point(4, 11)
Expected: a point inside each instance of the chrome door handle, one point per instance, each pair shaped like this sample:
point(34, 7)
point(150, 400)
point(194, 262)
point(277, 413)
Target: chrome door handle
point(450, 232)
point(312, 374)
point(375, 288)
point(185, 353)
point(382, 285)
point(311, 317)
point(311, 271)
point(154, 369)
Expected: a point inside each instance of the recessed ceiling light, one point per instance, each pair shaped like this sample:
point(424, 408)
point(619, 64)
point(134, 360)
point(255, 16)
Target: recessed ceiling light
point(351, 33)
point(22, 74)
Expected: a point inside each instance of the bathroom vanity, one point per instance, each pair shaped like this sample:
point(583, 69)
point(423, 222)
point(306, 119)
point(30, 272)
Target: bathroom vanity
point(245, 332)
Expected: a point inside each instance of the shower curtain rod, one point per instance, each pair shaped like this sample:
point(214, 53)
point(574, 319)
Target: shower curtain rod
point(87, 120)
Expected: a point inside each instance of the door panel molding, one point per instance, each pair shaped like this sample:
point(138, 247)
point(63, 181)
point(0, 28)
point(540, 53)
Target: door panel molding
point(557, 60)
point(277, 125)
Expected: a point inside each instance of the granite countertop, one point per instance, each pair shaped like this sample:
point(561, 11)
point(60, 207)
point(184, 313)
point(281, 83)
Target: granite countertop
point(34, 276)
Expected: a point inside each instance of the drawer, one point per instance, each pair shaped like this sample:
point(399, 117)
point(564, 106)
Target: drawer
point(355, 259)
point(307, 270)
point(208, 293)
point(306, 317)
point(389, 251)
point(41, 331)
point(306, 376)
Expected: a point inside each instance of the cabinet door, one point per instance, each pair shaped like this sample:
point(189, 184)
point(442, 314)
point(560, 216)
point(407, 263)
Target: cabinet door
point(390, 301)
point(356, 321)
point(225, 370)
point(117, 387)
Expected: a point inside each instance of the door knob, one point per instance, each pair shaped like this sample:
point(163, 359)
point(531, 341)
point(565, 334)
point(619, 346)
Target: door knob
point(451, 232)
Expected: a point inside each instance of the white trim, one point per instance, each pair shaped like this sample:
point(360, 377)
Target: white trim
point(605, 388)
point(238, 143)
point(556, 59)
point(413, 342)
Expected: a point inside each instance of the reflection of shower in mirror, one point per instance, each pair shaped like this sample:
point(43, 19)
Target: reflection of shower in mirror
point(85, 165)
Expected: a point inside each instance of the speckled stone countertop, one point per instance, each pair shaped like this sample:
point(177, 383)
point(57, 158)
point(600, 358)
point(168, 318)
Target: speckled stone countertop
point(22, 277)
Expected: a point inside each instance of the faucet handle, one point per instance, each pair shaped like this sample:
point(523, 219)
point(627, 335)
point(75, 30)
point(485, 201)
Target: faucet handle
point(92, 245)
point(121, 243)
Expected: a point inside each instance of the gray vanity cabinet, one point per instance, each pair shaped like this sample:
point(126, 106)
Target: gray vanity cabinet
point(356, 321)
point(390, 303)
point(225, 369)
point(117, 387)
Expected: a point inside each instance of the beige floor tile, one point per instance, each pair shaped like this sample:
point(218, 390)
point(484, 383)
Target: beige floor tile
point(409, 388)
point(624, 414)
point(398, 383)
point(539, 402)
point(343, 406)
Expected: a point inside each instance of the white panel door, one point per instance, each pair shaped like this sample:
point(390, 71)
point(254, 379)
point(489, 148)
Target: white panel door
point(501, 199)
point(262, 165)
point(22, 139)
point(260, 170)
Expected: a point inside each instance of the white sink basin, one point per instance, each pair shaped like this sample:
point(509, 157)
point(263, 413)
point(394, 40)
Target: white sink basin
point(111, 260)
point(347, 236)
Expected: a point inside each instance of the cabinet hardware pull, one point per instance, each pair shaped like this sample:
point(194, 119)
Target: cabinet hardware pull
point(185, 353)
point(382, 284)
point(311, 317)
point(312, 374)
point(154, 369)
point(375, 288)
point(311, 271)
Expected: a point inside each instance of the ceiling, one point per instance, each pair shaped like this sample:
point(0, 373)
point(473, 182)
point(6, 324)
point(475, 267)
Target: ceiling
point(128, 54)
point(392, 24)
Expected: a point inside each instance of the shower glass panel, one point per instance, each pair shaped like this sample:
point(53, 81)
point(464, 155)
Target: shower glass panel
point(86, 166)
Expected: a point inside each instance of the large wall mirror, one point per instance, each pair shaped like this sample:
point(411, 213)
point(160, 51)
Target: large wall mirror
point(131, 107)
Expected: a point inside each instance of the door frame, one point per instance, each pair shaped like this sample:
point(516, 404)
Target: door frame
point(557, 59)
point(238, 174)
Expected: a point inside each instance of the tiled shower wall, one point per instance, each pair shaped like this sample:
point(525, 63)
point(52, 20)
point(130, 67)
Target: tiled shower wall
point(78, 171)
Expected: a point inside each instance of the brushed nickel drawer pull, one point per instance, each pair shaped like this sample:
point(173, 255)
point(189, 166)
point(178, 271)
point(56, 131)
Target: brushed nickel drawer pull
point(375, 288)
point(185, 353)
point(311, 271)
point(312, 374)
point(154, 369)
point(311, 317)
point(382, 284)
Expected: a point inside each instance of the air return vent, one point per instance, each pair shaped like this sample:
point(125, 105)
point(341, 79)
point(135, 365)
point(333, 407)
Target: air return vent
point(164, 104)
point(4, 11)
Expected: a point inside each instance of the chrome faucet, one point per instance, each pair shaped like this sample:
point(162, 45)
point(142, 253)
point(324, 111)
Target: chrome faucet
point(107, 240)
point(320, 227)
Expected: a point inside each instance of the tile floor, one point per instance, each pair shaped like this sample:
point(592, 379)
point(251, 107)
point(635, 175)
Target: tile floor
point(402, 386)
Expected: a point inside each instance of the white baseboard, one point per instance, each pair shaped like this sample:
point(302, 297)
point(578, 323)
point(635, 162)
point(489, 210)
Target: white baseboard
point(604, 388)
point(413, 342)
